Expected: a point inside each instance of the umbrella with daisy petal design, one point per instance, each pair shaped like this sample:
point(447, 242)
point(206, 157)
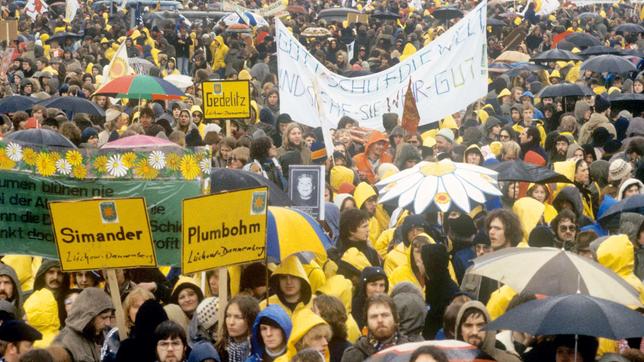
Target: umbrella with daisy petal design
point(440, 186)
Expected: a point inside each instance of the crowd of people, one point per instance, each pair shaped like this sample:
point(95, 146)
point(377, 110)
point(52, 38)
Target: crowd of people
point(391, 276)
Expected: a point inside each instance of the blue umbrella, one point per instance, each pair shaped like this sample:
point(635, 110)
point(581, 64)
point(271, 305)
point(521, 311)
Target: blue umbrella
point(39, 136)
point(634, 203)
point(16, 103)
point(71, 105)
point(290, 231)
point(572, 314)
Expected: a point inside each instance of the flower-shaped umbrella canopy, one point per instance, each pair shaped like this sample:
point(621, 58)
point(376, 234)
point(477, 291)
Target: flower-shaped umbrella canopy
point(440, 185)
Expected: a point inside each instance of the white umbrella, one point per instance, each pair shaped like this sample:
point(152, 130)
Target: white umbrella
point(553, 271)
point(247, 18)
point(443, 184)
point(180, 81)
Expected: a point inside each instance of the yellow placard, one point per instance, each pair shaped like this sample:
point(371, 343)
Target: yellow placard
point(224, 229)
point(226, 99)
point(102, 234)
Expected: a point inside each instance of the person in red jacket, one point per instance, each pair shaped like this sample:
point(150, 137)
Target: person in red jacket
point(373, 156)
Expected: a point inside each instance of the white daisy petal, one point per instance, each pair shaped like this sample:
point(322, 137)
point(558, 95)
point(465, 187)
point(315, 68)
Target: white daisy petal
point(473, 192)
point(205, 166)
point(399, 187)
point(115, 166)
point(157, 160)
point(456, 192)
point(477, 169)
point(63, 167)
point(426, 192)
point(440, 191)
point(14, 152)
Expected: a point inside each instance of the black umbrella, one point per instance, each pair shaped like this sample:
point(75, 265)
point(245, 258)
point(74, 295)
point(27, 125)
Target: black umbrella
point(336, 14)
point(582, 40)
point(565, 45)
point(634, 203)
point(385, 15)
point(518, 170)
point(71, 104)
point(565, 90)
point(633, 52)
point(495, 22)
point(226, 179)
point(609, 64)
point(588, 15)
point(572, 314)
point(40, 136)
point(629, 28)
point(599, 50)
point(554, 55)
point(61, 37)
point(447, 13)
point(517, 68)
point(633, 102)
point(16, 103)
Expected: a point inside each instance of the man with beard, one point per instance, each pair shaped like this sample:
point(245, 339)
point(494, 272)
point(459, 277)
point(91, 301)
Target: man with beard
point(470, 321)
point(10, 286)
point(560, 150)
point(382, 329)
point(565, 227)
point(88, 319)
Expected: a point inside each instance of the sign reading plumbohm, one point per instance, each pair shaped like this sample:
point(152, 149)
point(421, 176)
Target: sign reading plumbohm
point(226, 99)
point(224, 229)
point(102, 234)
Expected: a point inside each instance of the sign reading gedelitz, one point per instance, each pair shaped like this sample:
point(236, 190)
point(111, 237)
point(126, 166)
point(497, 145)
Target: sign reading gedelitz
point(102, 234)
point(224, 229)
point(226, 99)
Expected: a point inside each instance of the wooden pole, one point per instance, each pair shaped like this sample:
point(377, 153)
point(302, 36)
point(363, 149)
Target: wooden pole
point(223, 299)
point(116, 300)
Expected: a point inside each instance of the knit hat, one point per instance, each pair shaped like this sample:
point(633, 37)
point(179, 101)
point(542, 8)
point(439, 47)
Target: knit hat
point(284, 118)
point(207, 312)
point(318, 153)
point(619, 170)
point(447, 134)
point(601, 103)
point(491, 123)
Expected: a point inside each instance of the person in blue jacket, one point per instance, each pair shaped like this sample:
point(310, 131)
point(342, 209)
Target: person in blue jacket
point(271, 331)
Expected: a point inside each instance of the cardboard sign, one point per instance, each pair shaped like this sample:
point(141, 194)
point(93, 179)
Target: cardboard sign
point(224, 229)
point(8, 30)
point(102, 234)
point(226, 99)
point(357, 18)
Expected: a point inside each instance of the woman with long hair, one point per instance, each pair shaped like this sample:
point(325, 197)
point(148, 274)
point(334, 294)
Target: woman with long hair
point(293, 140)
point(239, 316)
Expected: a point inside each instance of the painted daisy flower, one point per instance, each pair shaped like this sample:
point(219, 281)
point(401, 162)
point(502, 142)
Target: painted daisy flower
point(74, 157)
point(157, 160)
point(44, 164)
point(205, 165)
point(189, 167)
point(63, 167)
point(440, 186)
point(14, 152)
point(116, 167)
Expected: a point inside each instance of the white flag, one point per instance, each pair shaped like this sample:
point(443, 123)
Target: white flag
point(119, 65)
point(350, 49)
point(123, 5)
point(71, 7)
point(35, 8)
point(547, 7)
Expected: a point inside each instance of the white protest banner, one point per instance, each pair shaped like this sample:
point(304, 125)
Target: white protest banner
point(350, 49)
point(447, 75)
point(274, 9)
point(595, 2)
point(547, 6)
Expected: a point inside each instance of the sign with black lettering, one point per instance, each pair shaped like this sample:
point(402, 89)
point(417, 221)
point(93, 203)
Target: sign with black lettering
point(111, 233)
point(226, 99)
point(224, 229)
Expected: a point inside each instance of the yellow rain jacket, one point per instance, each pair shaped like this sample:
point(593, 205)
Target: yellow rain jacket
point(340, 175)
point(41, 312)
point(219, 53)
point(616, 253)
point(25, 267)
point(342, 288)
point(380, 221)
point(549, 212)
point(499, 301)
point(567, 168)
point(289, 266)
point(303, 322)
point(529, 212)
point(315, 275)
point(408, 51)
point(396, 257)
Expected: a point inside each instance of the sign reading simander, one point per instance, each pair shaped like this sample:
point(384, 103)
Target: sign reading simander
point(112, 233)
point(224, 229)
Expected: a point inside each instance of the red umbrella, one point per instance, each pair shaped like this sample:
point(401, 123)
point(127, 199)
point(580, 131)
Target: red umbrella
point(139, 141)
point(140, 87)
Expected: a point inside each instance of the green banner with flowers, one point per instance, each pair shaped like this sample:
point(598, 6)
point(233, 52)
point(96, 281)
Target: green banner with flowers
point(30, 176)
